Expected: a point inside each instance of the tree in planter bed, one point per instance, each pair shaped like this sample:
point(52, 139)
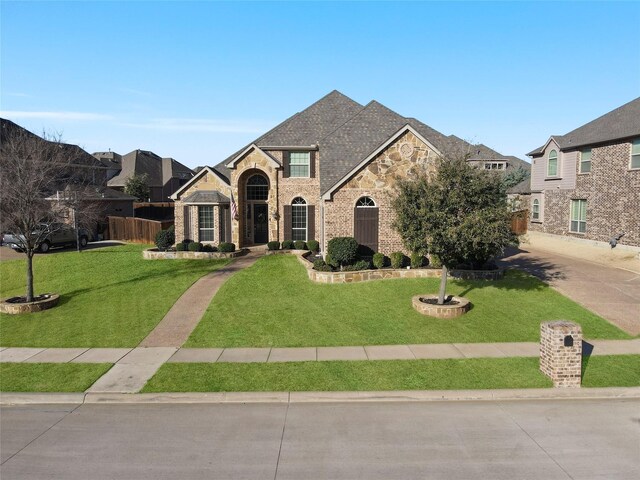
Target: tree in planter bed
point(460, 214)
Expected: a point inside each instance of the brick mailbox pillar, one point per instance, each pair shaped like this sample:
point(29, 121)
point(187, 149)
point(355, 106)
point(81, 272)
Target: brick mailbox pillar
point(561, 353)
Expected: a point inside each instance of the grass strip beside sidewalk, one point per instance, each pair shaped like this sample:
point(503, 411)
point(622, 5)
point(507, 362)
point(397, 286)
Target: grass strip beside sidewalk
point(50, 377)
point(447, 374)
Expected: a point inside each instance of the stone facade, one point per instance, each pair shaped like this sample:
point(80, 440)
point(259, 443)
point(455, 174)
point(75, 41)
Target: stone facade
point(561, 353)
point(612, 192)
point(402, 159)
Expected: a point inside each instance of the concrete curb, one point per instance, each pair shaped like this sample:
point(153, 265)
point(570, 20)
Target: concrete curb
point(319, 397)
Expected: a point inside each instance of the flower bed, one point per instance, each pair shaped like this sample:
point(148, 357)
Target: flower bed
point(155, 254)
point(384, 273)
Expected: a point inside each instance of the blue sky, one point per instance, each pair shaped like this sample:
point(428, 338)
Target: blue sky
point(198, 80)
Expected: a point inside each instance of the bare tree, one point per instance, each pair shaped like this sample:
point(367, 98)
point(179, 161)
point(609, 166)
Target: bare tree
point(32, 169)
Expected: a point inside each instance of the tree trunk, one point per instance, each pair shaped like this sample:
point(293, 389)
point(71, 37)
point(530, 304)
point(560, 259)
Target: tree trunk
point(29, 276)
point(443, 286)
point(75, 225)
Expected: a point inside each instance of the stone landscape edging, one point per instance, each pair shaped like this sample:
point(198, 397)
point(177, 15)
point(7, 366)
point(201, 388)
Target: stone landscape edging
point(13, 308)
point(155, 254)
point(387, 273)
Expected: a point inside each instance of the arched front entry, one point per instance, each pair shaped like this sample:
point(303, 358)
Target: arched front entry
point(365, 225)
point(256, 209)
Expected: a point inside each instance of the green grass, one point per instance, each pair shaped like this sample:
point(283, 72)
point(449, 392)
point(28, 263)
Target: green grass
point(273, 303)
point(481, 373)
point(611, 371)
point(50, 377)
point(109, 297)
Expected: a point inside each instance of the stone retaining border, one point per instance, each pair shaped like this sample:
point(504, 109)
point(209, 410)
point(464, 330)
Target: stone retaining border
point(154, 254)
point(6, 306)
point(367, 275)
point(440, 311)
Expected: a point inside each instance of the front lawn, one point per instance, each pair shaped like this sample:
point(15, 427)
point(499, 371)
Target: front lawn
point(472, 373)
point(109, 297)
point(273, 303)
point(50, 377)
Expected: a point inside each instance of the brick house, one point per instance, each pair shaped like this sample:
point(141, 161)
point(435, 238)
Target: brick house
point(325, 172)
point(586, 184)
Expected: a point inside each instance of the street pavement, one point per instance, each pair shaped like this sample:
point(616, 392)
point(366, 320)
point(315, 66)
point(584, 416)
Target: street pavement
point(548, 439)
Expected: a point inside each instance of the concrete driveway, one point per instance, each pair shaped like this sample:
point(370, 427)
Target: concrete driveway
point(612, 293)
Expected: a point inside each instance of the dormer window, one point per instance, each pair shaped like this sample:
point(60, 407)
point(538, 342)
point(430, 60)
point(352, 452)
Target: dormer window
point(552, 164)
point(494, 165)
point(299, 164)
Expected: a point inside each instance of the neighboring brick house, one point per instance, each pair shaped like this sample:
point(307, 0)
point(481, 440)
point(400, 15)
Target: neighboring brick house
point(586, 184)
point(325, 172)
point(164, 175)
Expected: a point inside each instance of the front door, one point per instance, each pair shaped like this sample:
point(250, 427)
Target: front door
point(260, 223)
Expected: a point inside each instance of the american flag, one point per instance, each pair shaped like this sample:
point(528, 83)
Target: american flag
point(234, 208)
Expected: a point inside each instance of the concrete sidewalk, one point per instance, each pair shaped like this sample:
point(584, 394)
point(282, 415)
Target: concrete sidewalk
point(158, 355)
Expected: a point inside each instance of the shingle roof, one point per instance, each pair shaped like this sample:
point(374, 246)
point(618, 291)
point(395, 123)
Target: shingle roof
point(347, 133)
point(159, 170)
point(206, 196)
point(521, 188)
point(623, 122)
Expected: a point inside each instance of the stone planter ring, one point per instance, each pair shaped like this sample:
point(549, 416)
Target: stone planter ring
point(427, 305)
point(15, 305)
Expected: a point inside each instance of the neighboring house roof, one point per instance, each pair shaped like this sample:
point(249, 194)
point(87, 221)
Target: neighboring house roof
point(522, 188)
point(206, 196)
point(158, 170)
point(76, 155)
point(346, 133)
point(623, 122)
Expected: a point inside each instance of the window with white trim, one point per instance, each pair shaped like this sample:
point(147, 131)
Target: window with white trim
point(535, 210)
point(635, 153)
point(365, 202)
point(552, 164)
point(585, 160)
point(494, 165)
point(205, 223)
point(578, 216)
point(299, 164)
point(299, 219)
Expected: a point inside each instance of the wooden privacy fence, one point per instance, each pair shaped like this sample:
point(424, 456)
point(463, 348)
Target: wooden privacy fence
point(519, 222)
point(138, 230)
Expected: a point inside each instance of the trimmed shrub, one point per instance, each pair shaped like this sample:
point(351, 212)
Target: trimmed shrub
point(227, 247)
point(397, 259)
point(164, 240)
point(417, 260)
point(274, 245)
point(313, 245)
point(359, 265)
point(343, 250)
point(180, 247)
point(287, 245)
point(434, 261)
point(379, 260)
point(330, 261)
point(322, 266)
point(299, 244)
point(195, 247)
point(209, 248)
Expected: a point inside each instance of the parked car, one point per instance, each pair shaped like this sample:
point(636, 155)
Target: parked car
point(59, 235)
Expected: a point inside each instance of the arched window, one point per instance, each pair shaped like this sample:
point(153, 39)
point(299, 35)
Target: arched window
point(257, 188)
point(535, 211)
point(552, 165)
point(365, 202)
point(299, 219)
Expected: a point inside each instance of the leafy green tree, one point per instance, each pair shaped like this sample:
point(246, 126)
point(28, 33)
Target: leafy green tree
point(514, 177)
point(460, 214)
point(138, 186)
